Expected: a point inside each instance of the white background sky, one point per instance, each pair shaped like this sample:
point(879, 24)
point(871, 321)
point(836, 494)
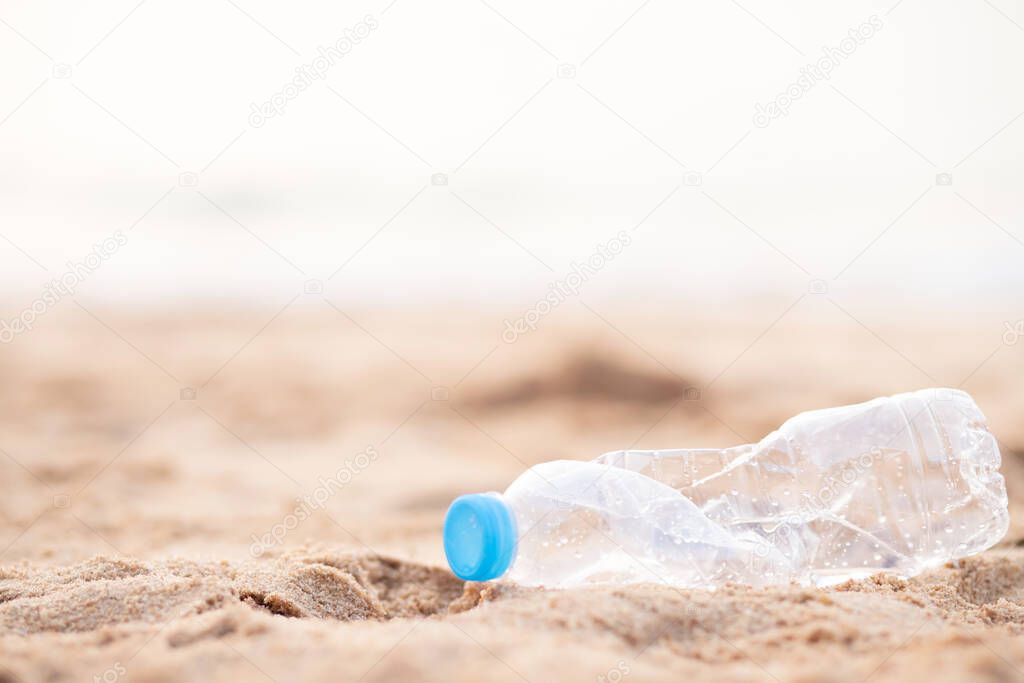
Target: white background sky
point(540, 168)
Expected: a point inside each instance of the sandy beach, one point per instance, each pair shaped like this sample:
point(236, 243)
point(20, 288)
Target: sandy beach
point(259, 496)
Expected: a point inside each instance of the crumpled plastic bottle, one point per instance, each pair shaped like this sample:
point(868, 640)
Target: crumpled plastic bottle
point(895, 485)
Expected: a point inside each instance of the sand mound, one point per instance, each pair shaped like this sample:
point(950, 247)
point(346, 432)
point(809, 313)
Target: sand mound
point(104, 592)
point(348, 587)
point(588, 376)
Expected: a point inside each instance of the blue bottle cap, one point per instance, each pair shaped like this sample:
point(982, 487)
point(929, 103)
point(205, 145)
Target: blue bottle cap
point(479, 537)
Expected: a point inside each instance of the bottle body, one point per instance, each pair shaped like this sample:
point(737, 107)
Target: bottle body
point(896, 484)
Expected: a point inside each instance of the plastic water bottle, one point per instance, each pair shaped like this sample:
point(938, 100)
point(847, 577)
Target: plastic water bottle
point(894, 485)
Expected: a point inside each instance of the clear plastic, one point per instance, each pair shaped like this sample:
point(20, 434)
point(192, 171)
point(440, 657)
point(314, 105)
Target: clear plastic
point(893, 485)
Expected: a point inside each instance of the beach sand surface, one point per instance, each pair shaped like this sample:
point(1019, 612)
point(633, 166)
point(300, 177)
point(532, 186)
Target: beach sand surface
point(156, 525)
